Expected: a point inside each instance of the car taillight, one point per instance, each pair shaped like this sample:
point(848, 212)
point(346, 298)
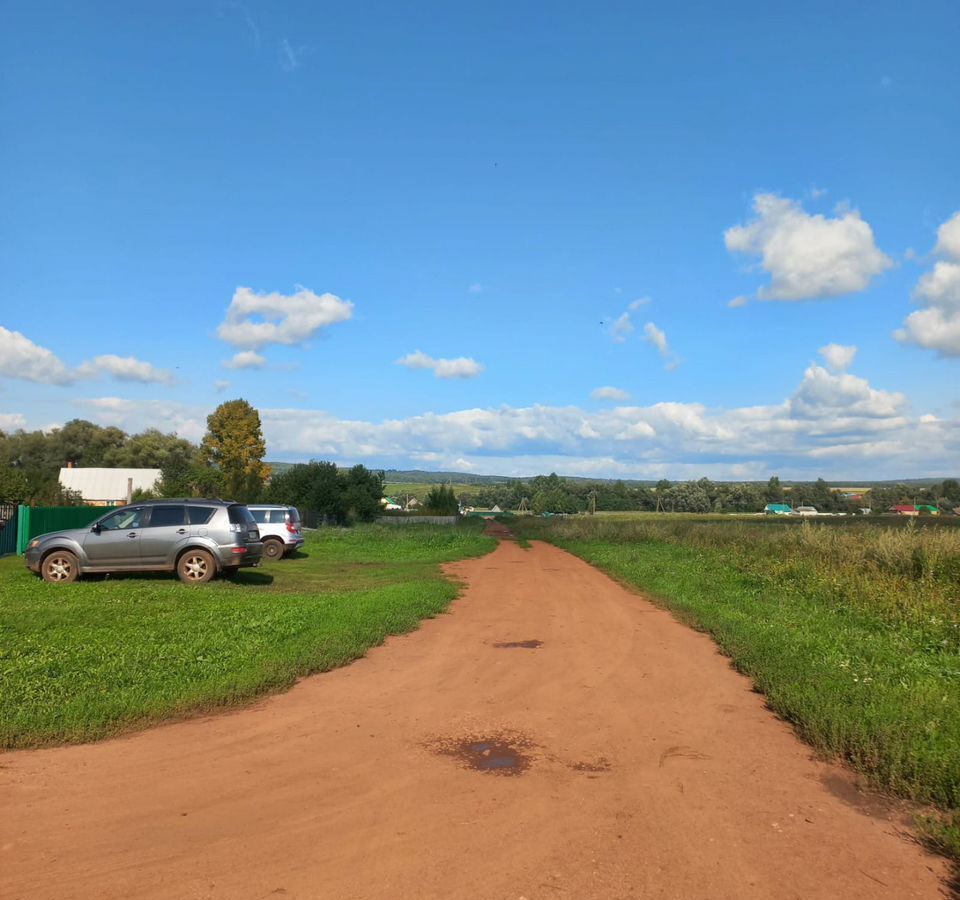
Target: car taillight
point(291, 528)
point(239, 550)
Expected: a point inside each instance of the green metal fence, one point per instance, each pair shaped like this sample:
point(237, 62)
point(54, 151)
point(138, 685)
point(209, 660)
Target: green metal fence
point(34, 520)
point(8, 528)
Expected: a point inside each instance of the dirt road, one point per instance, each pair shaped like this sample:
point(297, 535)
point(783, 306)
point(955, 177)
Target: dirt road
point(627, 761)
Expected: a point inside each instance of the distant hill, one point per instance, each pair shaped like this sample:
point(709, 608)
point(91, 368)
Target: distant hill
point(421, 476)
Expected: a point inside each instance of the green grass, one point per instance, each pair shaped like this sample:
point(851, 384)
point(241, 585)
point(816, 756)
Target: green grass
point(85, 661)
point(852, 634)
point(401, 489)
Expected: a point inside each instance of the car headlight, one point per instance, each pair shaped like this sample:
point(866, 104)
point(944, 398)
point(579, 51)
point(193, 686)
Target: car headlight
point(34, 543)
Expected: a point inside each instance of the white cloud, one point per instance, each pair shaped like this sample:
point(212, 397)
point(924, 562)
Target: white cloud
point(657, 337)
point(639, 302)
point(609, 393)
point(823, 394)
point(21, 358)
point(461, 367)
point(475, 288)
point(937, 326)
point(254, 320)
point(833, 424)
point(948, 237)
point(12, 421)
point(839, 357)
point(220, 385)
point(808, 256)
point(739, 301)
point(290, 56)
point(124, 368)
point(245, 359)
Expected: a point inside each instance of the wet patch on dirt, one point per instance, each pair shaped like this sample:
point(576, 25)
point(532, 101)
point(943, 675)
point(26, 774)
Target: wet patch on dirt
point(867, 802)
point(518, 645)
point(496, 754)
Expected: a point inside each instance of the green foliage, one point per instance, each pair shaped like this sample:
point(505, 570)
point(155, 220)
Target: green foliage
point(234, 445)
point(99, 657)
point(336, 496)
point(14, 485)
point(853, 633)
point(441, 501)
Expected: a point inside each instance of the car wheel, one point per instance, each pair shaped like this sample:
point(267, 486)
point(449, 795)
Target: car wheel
point(196, 567)
point(60, 567)
point(272, 549)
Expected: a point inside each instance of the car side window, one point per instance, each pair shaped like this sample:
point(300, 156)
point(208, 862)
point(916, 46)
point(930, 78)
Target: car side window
point(162, 516)
point(260, 515)
point(200, 515)
point(123, 518)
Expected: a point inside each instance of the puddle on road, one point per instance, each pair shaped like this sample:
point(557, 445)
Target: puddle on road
point(511, 645)
point(499, 754)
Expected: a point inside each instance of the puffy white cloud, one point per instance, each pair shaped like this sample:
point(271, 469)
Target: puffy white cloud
point(937, 326)
point(824, 395)
point(948, 237)
point(189, 422)
point(461, 367)
point(254, 320)
point(808, 256)
point(12, 421)
point(639, 302)
point(245, 359)
point(124, 368)
point(22, 358)
point(737, 302)
point(609, 393)
point(839, 357)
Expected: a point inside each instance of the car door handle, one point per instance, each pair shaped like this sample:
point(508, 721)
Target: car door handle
point(181, 531)
point(132, 534)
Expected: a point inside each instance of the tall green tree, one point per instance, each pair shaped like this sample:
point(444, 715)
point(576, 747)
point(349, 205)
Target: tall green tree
point(234, 444)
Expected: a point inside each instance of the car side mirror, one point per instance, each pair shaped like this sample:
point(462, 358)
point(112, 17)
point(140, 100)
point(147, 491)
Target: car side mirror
point(95, 528)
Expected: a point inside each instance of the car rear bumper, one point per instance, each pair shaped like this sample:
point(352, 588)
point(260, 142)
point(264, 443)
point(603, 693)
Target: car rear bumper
point(252, 553)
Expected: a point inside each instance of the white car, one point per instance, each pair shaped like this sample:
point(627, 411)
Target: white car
point(799, 511)
point(280, 529)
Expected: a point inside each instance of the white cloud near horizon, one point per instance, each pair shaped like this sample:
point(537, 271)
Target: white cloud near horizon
point(937, 325)
point(609, 393)
point(461, 367)
point(254, 320)
point(245, 359)
point(834, 424)
point(12, 421)
point(22, 359)
point(808, 256)
point(839, 357)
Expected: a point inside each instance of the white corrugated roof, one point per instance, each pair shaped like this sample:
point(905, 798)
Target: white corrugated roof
point(107, 484)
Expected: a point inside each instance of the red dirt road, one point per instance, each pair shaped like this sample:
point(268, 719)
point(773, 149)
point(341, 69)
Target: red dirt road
point(654, 771)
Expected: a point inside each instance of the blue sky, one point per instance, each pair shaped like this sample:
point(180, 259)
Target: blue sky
point(511, 206)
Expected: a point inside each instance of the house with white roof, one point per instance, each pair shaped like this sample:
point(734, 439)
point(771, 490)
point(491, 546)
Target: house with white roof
point(107, 487)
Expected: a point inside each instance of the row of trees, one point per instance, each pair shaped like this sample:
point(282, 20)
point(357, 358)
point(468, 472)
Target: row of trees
point(551, 493)
point(228, 462)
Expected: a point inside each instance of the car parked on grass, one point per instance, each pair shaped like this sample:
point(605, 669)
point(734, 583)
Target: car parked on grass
point(280, 528)
point(195, 538)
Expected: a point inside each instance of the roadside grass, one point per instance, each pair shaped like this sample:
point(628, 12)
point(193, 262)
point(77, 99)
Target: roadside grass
point(85, 661)
point(852, 634)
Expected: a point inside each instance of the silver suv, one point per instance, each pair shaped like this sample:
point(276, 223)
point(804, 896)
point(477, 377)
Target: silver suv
point(194, 538)
point(279, 527)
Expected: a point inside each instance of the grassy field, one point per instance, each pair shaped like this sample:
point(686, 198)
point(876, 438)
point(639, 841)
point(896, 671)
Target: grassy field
point(88, 660)
point(400, 490)
point(853, 634)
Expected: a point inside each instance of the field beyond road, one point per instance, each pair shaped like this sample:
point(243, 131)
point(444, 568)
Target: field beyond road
point(553, 736)
point(83, 661)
